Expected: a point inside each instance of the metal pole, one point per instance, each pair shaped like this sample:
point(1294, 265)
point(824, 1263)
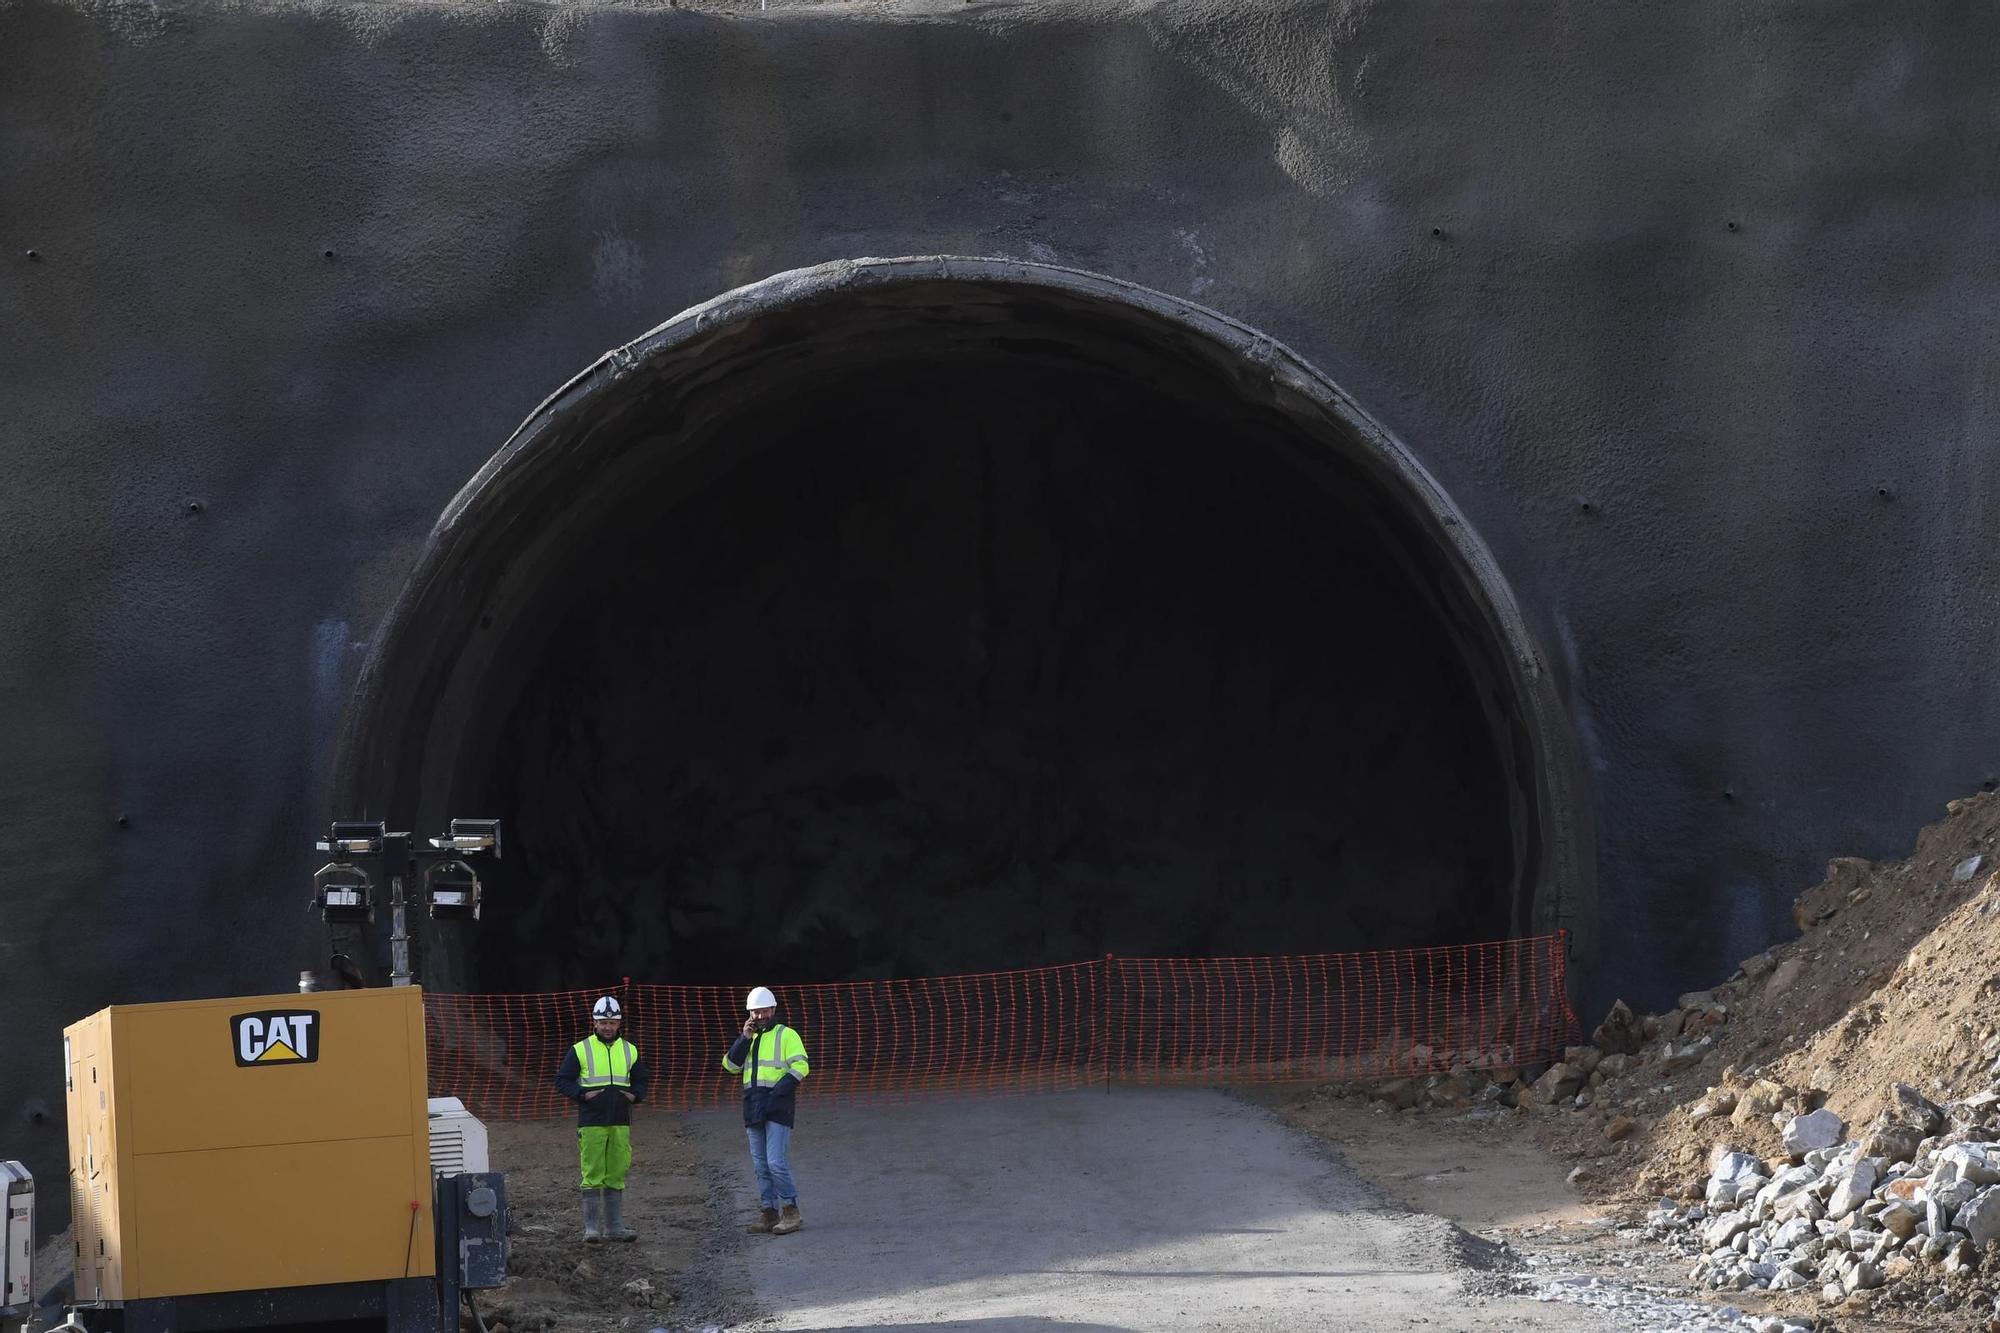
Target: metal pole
point(398, 860)
point(399, 935)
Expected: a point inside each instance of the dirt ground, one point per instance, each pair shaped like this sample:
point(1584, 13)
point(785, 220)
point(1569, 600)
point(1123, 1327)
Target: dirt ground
point(1142, 1209)
point(557, 1282)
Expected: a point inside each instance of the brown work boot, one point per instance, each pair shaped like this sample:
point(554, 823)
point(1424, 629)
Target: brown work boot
point(788, 1221)
point(766, 1222)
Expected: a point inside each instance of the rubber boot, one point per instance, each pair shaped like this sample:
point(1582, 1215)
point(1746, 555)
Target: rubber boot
point(765, 1221)
point(614, 1217)
point(593, 1216)
point(788, 1221)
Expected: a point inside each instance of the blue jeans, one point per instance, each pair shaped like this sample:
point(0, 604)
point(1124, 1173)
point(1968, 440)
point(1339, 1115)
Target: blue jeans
point(771, 1160)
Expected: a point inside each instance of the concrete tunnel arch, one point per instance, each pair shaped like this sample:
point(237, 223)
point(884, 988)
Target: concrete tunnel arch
point(631, 447)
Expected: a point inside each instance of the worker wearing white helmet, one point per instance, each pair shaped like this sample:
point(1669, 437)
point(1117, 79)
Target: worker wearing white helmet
point(605, 1077)
point(772, 1060)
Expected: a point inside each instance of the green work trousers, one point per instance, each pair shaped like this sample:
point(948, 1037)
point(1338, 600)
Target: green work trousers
point(606, 1153)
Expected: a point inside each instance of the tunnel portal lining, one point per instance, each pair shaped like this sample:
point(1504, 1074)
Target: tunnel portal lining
point(509, 531)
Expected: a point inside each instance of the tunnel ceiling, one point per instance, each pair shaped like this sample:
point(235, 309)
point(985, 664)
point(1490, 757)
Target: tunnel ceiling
point(906, 617)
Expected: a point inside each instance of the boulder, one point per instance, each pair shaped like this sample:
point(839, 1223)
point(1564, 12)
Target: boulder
point(1900, 1220)
point(1728, 1173)
point(1674, 1058)
point(1787, 1185)
point(1813, 1131)
point(1758, 1102)
point(1851, 1189)
point(1401, 1093)
point(1975, 1110)
point(1965, 1161)
point(1917, 1110)
point(1864, 1276)
point(1720, 1231)
point(1943, 1202)
point(1719, 1101)
point(1620, 1032)
point(1980, 1218)
point(1582, 1057)
point(1450, 1091)
point(1887, 1136)
point(1559, 1083)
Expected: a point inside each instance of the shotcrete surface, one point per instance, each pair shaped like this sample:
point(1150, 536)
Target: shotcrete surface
point(1687, 305)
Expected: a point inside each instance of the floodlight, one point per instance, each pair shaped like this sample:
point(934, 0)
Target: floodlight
point(453, 890)
point(344, 892)
point(471, 835)
point(354, 837)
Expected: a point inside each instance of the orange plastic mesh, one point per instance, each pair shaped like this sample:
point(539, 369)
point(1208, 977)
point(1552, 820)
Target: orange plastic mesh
point(1114, 1020)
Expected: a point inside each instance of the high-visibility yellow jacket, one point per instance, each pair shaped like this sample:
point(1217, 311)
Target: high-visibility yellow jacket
point(772, 1065)
point(613, 1065)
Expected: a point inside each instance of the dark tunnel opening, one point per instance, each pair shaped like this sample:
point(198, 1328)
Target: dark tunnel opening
point(950, 634)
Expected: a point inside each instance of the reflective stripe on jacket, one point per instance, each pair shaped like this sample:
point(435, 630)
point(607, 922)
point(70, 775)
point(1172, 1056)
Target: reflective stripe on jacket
point(602, 1066)
point(772, 1055)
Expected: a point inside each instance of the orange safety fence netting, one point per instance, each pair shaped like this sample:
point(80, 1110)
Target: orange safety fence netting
point(1115, 1020)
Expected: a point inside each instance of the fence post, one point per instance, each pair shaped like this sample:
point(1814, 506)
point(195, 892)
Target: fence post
point(1110, 978)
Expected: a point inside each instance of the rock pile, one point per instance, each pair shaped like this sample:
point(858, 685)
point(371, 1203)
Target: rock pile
point(1909, 1209)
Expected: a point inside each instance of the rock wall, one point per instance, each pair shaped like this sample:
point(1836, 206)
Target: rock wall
point(1688, 305)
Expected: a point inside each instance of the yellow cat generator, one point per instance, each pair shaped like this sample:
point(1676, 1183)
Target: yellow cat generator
point(265, 1161)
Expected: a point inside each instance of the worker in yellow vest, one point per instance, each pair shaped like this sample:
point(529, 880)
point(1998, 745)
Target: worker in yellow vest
point(772, 1059)
point(605, 1077)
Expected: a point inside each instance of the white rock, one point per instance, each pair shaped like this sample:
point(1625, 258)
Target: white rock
point(1852, 1189)
point(1966, 869)
point(1965, 1161)
point(1815, 1131)
point(1943, 1204)
point(1720, 1231)
point(1792, 1234)
point(1864, 1276)
point(1801, 1204)
point(1730, 1172)
point(1787, 1183)
point(1789, 1279)
point(1980, 1219)
point(1900, 1219)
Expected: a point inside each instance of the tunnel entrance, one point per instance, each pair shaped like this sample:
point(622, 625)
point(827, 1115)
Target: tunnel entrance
point(913, 617)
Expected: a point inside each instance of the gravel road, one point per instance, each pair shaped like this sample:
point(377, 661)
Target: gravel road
point(1140, 1210)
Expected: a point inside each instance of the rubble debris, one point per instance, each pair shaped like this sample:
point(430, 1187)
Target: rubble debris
point(1824, 1126)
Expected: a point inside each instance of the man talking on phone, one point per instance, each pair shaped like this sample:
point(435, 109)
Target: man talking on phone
point(772, 1059)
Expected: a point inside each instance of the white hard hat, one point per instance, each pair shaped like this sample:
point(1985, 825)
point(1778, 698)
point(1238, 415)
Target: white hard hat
point(607, 1007)
point(761, 998)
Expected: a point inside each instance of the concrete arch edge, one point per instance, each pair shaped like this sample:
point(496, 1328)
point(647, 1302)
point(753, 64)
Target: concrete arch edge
point(410, 655)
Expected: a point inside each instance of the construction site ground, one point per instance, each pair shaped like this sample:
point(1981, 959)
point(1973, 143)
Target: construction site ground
point(1137, 1209)
point(1465, 1198)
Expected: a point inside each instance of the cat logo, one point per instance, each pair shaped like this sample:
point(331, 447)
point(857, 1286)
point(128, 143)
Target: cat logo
point(276, 1037)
